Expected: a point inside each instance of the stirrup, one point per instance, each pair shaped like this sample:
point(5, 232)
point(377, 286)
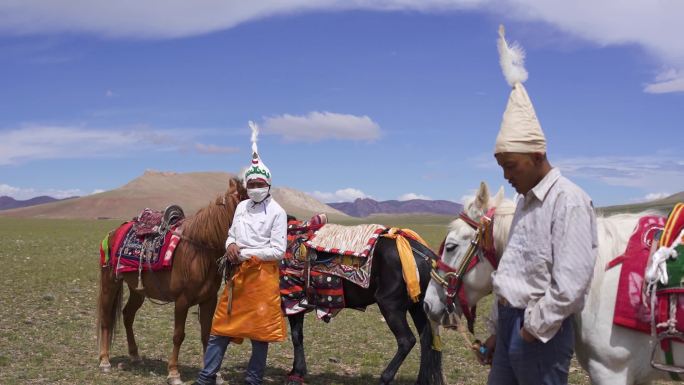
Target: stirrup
point(672, 369)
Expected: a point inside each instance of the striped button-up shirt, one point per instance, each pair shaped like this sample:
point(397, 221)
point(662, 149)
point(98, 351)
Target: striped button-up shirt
point(549, 260)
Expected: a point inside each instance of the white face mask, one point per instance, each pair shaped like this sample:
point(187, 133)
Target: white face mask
point(257, 195)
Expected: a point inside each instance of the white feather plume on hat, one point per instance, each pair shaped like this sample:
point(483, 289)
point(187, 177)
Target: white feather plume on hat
point(512, 59)
point(520, 129)
point(257, 170)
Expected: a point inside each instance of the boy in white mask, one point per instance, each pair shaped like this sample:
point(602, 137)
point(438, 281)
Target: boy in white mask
point(250, 304)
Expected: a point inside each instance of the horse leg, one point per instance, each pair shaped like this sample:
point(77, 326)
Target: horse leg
point(395, 316)
point(180, 314)
point(135, 300)
point(109, 308)
point(430, 372)
point(296, 375)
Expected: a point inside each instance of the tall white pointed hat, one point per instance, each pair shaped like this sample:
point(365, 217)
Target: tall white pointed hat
point(256, 170)
point(520, 129)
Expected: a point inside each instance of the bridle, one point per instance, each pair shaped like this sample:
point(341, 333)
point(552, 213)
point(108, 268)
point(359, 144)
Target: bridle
point(451, 279)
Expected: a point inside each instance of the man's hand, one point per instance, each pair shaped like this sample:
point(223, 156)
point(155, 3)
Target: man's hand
point(233, 253)
point(485, 351)
point(527, 336)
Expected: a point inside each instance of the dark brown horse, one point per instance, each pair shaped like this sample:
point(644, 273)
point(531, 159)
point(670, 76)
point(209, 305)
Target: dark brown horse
point(193, 280)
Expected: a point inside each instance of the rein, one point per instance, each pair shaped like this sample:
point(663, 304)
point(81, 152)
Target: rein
point(482, 246)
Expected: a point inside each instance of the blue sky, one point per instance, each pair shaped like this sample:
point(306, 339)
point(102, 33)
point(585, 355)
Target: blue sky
point(388, 99)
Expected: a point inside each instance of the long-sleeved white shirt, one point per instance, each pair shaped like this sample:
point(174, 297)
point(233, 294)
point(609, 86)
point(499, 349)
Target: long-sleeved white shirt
point(259, 229)
point(549, 260)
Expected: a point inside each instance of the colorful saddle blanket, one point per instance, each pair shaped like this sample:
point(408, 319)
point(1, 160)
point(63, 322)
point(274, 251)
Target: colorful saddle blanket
point(357, 241)
point(632, 306)
point(126, 249)
point(328, 291)
point(630, 309)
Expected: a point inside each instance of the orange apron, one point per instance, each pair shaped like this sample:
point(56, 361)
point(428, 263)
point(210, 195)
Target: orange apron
point(255, 304)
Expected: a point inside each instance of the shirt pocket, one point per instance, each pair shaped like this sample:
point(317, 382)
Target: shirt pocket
point(539, 261)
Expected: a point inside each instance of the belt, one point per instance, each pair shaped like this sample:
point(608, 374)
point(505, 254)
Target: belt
point(504, 302)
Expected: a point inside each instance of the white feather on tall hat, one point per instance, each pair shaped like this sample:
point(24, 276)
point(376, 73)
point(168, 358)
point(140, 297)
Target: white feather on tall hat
point(520, 129)
point(257, 170)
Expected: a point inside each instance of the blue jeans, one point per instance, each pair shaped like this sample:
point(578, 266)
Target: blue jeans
point(517, 362)
point(216, 349)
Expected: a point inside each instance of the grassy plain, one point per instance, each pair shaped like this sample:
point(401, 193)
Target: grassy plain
point(47, 321)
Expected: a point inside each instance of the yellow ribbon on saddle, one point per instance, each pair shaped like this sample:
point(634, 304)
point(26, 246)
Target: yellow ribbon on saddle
point(408, 262)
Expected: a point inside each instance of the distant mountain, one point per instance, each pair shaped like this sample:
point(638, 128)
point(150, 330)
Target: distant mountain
point(7, 203)
point(363, 207)
point(156, 190)
point(663, 205)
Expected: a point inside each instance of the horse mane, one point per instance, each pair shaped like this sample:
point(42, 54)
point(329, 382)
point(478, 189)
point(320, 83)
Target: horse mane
point(503, 216)
point(207, 230)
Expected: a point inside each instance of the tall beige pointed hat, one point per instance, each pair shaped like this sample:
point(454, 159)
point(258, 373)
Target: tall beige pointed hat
point(520, 129)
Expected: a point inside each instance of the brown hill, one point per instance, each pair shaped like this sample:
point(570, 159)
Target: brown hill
point(157, 190)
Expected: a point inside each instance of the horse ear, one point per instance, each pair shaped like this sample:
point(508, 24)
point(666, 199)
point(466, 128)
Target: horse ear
point(232, 185)
point(482, 196)
point(499, 197)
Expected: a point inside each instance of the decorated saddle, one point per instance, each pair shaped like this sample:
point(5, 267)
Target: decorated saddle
point(319, 257)
point(650, 295)
point(146, 243)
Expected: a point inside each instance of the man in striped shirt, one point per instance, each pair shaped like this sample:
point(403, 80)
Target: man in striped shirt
point(545, 272)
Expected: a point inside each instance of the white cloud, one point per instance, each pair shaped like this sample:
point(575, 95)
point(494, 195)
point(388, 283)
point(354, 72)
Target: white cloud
point(23, 193)
point(177, 18)
point(110, 94)
point(41, 142)
point(653, 25)
point(344, 195)
point(660, 171)
point(213, 149)
point(668, 81)
point(410, 196)
point(655, 196)
point(317, 126)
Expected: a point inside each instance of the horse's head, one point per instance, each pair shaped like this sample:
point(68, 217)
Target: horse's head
point(468, 255)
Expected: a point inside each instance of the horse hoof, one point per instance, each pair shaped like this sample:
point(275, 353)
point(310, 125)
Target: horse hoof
point(135, 359)
point(174, 380)
point(106, 367)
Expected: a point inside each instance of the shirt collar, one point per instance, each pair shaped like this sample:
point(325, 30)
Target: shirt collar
point(542, 188)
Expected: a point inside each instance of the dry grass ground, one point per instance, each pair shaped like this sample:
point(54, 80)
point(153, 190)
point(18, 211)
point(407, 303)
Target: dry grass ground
point(47, 322)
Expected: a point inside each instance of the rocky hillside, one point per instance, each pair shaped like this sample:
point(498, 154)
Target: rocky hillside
point(157, 190)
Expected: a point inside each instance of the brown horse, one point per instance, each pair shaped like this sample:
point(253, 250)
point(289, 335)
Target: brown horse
point(193, 279)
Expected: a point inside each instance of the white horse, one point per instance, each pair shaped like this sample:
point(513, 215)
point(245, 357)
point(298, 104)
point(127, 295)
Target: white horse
point(610, 354)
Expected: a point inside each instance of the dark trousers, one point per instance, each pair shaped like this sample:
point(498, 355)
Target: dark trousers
point(517, 362)
point(216, 349)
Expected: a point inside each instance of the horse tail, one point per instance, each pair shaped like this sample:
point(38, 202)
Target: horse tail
point(430, 372)
point(430, 360)
point(108, 309)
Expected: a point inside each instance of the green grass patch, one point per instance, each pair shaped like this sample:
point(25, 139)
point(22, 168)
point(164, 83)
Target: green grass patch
point(47, 334)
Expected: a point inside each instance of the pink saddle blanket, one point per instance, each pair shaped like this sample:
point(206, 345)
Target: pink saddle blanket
point(630, 309)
